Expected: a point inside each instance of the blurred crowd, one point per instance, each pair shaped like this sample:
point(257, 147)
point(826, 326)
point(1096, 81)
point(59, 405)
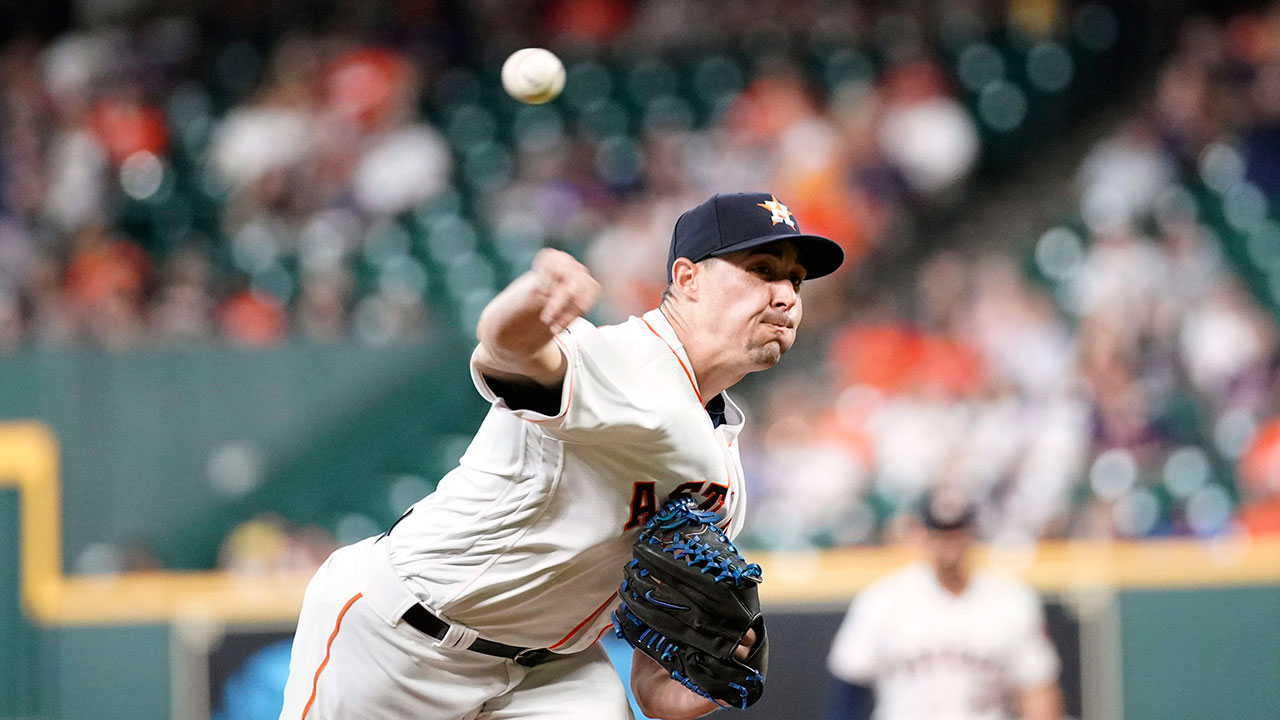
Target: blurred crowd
point(107, 125)
point(183, 180)
point(178, 179)
point(1119, 381)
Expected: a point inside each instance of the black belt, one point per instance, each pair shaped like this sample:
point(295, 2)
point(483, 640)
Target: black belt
point(425, 621)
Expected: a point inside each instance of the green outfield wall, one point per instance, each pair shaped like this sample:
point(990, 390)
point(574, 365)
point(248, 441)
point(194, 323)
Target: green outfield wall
point(1201, 654)
point(326, 428)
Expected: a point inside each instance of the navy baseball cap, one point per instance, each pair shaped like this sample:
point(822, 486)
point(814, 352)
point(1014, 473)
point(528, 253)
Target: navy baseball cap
point(738, 221)
point(946, 509)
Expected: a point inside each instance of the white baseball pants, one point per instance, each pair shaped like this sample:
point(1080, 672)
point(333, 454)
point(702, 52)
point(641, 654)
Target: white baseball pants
point(354, 660)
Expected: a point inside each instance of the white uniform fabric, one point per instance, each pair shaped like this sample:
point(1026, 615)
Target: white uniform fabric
point(523, 543)
point(938, 656)
point(353, 660)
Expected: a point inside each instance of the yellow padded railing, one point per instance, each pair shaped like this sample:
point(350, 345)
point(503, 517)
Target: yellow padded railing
point(29, 463)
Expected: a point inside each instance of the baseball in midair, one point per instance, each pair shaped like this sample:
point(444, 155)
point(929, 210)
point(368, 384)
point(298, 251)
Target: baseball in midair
point(533, 75)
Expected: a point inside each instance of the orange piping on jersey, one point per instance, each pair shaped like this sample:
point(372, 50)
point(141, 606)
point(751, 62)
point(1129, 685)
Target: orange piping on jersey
point(579, 626)
point(728, 472)
point(728, 520)
point(603, 630)
point(327, 647)
point(687, 374)
point(567, 400)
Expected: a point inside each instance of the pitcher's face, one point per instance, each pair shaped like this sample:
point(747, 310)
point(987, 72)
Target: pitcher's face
point(755, 297)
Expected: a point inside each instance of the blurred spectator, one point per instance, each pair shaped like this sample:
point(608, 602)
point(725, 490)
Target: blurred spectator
point(1223, 337)
point(253, 317)
point(123, 127)
point(403, 164)
point(401, 170)
point(269, 545)
point(253, 142)
point(925, 132)
point(323, 306)
point(592, 22)
point(105, 281)
point(1120, 180)
point(184, 306)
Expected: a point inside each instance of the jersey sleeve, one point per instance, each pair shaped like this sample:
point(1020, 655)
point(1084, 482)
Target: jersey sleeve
point(855, 651)
point(1033, 661)
point(598, 398)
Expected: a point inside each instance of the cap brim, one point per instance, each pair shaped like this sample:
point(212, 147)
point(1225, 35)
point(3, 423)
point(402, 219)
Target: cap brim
point(819, 255)
point(962, 517)
point(964, 522)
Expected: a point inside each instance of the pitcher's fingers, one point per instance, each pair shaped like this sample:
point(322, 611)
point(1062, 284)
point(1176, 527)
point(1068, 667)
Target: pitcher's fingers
point(559, 311)
point(570, 300)
point(744, 648)
point(565, 315)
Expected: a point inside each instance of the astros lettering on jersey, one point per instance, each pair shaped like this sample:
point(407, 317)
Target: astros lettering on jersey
point(522, 539)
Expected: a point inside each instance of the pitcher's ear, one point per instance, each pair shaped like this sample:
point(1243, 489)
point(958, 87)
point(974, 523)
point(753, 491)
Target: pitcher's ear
point(684, 278)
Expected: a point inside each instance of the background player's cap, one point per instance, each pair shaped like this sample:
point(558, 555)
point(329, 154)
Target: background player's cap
point(946, 510)
point(738, 221)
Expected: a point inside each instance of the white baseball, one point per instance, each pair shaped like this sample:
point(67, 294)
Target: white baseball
point(533, 75)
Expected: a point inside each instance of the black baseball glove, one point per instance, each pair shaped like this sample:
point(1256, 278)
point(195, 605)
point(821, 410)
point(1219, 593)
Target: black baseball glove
point(688, 599)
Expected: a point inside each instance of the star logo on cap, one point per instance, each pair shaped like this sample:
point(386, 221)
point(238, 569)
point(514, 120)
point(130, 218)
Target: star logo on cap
point(779, 212)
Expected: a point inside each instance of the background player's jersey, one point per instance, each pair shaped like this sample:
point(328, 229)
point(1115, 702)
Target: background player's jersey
point(938, 656)
point(525, 540)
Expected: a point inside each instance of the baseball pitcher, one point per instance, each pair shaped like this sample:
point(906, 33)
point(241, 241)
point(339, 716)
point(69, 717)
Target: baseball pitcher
point(487, 598)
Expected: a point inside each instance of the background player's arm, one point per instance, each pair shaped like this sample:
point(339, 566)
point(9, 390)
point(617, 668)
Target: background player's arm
point(1040, 702)
point(1034, 662)
point(517, 327)
point(854, 657)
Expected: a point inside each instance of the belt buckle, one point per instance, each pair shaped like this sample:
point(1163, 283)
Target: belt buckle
point(529, 657)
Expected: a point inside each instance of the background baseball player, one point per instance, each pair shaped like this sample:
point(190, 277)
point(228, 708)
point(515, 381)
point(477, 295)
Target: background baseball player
point(486, 599)
point(935, 641)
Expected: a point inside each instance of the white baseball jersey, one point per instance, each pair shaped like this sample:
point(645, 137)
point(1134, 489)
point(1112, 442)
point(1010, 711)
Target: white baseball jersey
point(525, 540)
point(938, 656)
point(522, 544)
